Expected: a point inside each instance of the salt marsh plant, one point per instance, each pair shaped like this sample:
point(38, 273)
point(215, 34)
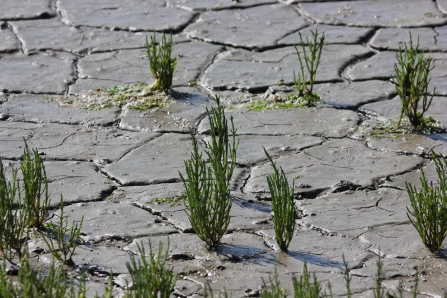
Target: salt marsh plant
point(52, 282)
point(22, 209)
point(305, 288)
point(284, 213)
point(151, 278)
point(36, 198)
point(273, 290)
point(13, 219)
point(62, 238)
point(207, 187)
point(429, 206)
point(160, 61)
point(411, 81)
point(309, 59)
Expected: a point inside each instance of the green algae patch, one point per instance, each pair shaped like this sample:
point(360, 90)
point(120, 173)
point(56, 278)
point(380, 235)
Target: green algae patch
point(173, 201)
point(139, 96)
point(391, 129)
point(289, 102)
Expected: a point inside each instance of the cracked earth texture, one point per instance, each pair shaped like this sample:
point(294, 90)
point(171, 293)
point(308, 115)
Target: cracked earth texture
point(110, 165)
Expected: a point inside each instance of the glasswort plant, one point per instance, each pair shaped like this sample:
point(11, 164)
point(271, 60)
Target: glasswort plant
point(207, 188)
point(310, 60)
point(429, 206)
point(411, 81)
point(160, 61)
point(284, 213)
point(151, 278)
point(36, 198)
point(63, 239)
point(13, 220)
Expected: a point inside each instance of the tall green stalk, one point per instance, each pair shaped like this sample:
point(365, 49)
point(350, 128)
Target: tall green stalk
point(310, 60)
point(411, 81)
point(429, 206)
point(207, 188)
point(284, 213)
point(35, 187)
point(13, 217)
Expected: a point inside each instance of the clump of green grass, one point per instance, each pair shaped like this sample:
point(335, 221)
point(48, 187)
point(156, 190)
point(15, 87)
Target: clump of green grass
point(13, 217)
point(207, 188)
point(273, 290)
point(305, 288)
point(151, 278)
point(52, 282)
point(411, 81)
point(309, 59)
point(22, 209)
point(47, 282)
point(160, 61)
point(429, 206)
point(302, 287)
point(284, 213)
point(35, 188)
point(27, 208)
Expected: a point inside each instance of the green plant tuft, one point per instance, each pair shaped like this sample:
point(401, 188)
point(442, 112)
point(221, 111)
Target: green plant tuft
point(13, 220)
point(411, 81)
point(160, 61)
point(284, 213)
point(310, 60)
point(35, 188)
point(52, 282)
point(150, 278)
point(304, 288)
point(429, 206)
point(61, 238)
point(273, 290)
point(20, 209)
point(207, 188)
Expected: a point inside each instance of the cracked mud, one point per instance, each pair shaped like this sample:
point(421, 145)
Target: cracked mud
point(119, 168)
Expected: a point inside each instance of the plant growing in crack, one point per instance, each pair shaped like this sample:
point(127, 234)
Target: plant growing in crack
point(207, 188)
point(411, 81)
point(150, 278)
point(284, 213)
point(13, 217)
point(160, 61)
point(428, 213)
point(62, 238)
point(22, 209)
point(36, 198)
point(309, 59)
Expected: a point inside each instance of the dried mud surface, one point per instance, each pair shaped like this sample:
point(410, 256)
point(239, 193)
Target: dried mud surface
point(116, 166)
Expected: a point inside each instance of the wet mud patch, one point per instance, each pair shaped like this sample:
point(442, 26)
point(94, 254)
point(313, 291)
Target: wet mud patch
point(108, 219)
point(352, 213)
point(314, 168)
point(321, 252)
